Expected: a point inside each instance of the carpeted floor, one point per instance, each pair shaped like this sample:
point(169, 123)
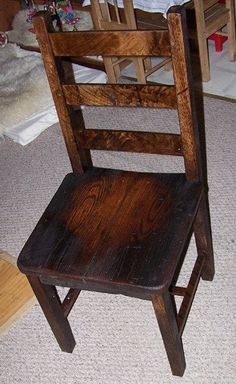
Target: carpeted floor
point(118, 340)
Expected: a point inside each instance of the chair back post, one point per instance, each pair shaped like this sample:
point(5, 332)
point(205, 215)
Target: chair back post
point(109, 16)
point(182, 71)
point(96, 14)
point(129, 14)
point(79, 158)
point(103, 15)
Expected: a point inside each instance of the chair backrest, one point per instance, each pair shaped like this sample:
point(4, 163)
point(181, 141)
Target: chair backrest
point(208, 3)
point(211, 15)
point(55, 46)
point(107, 16)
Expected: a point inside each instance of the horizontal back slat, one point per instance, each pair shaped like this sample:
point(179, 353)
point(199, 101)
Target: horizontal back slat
point(130, 141)
point(122, 95)
point(111, 43)
point(209, 3)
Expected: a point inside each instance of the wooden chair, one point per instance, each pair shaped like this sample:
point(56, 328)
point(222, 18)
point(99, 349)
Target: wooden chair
point(116, 231)
point(211, 17)
point(107, 16)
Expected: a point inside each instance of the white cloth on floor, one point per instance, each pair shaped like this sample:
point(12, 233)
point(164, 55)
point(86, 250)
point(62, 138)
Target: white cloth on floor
point(26, 104)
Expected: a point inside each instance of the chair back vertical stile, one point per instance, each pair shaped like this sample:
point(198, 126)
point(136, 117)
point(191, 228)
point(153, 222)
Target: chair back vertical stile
point(114, 231)
point(54, 67)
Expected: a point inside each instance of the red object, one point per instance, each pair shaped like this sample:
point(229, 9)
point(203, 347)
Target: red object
point(219, 41)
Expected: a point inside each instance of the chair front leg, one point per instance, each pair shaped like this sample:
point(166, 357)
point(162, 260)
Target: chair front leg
point(203, 237)
point(165, 311)
point(51, 305)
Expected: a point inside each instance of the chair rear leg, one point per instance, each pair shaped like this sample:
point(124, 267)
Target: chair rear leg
point(140, 70)
point(166, 316)
point(51, 305)
point(203, 237)
point(231, 30)
point(111, 71)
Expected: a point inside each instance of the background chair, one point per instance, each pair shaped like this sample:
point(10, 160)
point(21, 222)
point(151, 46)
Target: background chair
point(211, 17)
point(107, 16)
point(115, 231)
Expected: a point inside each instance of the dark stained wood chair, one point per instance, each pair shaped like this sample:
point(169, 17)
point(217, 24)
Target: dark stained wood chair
point(116, 231)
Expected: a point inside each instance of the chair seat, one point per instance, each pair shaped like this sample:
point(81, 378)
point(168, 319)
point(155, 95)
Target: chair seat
point(113, 231)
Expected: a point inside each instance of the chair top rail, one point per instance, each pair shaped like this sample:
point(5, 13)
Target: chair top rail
point(111, 43)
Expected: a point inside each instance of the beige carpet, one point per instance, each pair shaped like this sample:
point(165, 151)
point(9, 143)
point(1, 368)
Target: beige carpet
point(118, 340)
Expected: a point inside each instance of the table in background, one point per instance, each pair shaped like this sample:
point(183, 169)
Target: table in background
point(156, 6)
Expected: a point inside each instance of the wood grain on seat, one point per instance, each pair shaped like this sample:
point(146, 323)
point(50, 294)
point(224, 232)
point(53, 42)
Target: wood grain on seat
point(114, 229)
